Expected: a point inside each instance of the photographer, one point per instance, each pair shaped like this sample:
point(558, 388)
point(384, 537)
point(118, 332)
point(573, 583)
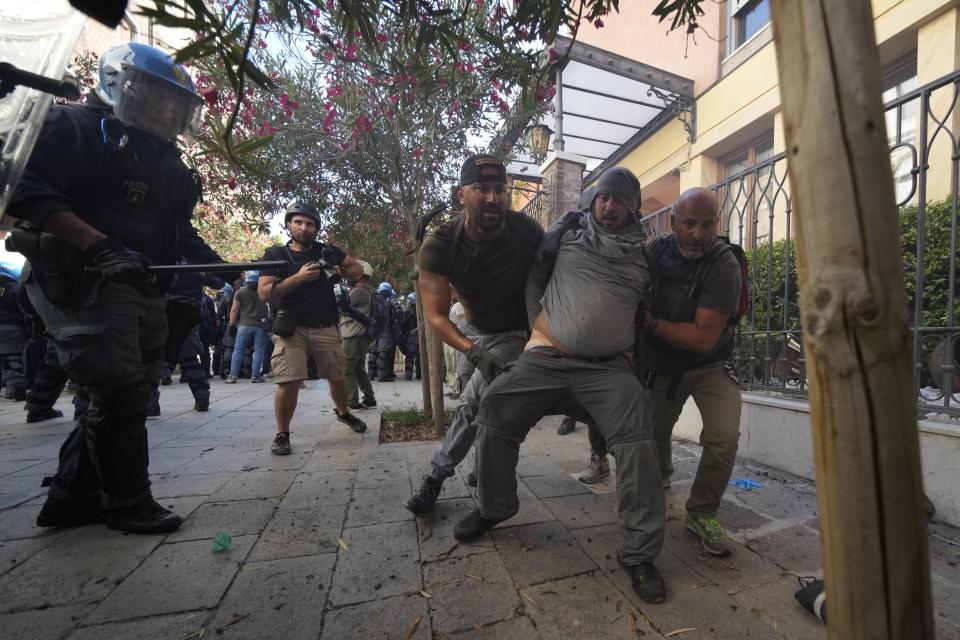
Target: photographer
point(307, 318)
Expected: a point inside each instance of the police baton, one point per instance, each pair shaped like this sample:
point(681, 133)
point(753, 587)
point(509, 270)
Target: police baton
point(218, 267)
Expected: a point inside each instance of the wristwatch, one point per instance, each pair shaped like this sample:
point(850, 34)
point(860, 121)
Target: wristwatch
point(650, 324)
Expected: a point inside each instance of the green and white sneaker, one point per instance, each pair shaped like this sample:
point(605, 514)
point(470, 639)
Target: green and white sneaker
point(713, 538)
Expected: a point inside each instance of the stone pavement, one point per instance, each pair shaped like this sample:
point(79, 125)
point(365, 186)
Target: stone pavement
point(323, 548)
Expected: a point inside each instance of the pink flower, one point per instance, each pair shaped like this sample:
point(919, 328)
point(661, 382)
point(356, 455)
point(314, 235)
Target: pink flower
point(381, 38)
point(552, 55)
point(417, 152)
point(598, 23)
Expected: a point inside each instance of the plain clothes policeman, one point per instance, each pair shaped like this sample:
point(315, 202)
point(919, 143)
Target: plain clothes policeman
point(485, 253)
point(307, 318)
point(685, 352)
point(105, 193)
point(583, 292)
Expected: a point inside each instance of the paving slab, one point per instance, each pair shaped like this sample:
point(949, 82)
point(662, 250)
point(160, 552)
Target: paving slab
point(381, 560)
point(796, 549)
point(198, 484)
point(555, 485)
point(515, 629)
point(16, 552)
point(183, 576)
point(579, 511)
point(737, 518)
point(778, 500)
point(377, 506)
point(250, 485)
point(177, 625)
point(470, 591)
point(238, 518)
point(82, 567)
point(318, 489)
point(288, 598)
point(586, 606)
point(773, 602)
point(435, 532)
point(21, 522)
point(51, 622)
point(385, 619)
point(300, 532)
point(539, 552)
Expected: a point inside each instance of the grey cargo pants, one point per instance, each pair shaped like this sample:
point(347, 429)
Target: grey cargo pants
point(606, 394)
point(462, 432)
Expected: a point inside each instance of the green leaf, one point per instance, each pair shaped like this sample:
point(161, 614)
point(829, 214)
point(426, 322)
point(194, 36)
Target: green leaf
point(249, 146)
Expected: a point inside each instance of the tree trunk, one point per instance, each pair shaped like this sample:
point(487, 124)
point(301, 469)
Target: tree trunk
point(436, 385)
point(424, 360)
point(862, 400)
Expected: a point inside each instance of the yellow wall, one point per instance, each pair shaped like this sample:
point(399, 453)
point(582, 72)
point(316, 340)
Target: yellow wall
point(747, 100)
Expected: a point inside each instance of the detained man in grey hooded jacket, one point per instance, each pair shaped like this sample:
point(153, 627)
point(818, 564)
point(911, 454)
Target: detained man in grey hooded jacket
point(588, 278)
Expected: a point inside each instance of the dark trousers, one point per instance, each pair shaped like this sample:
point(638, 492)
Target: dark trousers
point(606, 394)
point(114, 349)
point(49, 381)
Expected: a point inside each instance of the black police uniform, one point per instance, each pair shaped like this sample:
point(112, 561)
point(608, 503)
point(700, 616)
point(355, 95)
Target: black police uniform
point(134, 188)
point(13, 340)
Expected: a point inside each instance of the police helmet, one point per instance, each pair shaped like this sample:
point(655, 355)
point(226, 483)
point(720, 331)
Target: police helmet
point(227, 288)
point(252, 277)
point(303, 208)
point(148, 90)
point(10, 270)
point(386, 286)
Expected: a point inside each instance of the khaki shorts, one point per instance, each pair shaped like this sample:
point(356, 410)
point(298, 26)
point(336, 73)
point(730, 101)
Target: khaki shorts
point(289, 361)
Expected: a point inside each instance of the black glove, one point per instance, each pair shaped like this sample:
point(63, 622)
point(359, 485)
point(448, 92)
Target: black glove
point(490, 366)
point(232, 331)
point(116, 262)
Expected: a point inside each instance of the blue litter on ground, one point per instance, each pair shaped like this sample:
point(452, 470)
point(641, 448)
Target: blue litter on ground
point(746, 484)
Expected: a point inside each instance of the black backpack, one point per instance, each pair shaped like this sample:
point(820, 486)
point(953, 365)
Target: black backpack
point(659, 245)
point(378, 311)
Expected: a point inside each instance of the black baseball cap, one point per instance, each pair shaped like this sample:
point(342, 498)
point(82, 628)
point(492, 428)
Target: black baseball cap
point(470, 172)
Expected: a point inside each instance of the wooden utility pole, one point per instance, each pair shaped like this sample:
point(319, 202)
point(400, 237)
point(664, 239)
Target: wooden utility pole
point(436, 385)
point(422, 329)
point(852, 302)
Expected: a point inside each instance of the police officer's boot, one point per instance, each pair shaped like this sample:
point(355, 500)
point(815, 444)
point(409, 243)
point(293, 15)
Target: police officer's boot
point(199, 387)
point(120, 450)
point(74, 497)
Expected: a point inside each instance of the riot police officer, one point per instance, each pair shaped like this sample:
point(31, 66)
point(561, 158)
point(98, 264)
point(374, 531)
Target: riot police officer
point(104, 194)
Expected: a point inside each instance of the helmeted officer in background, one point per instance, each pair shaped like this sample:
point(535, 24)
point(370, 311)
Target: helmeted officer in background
point(13, 334)
point(384, 348)
point(410, 342)
point(105, 194)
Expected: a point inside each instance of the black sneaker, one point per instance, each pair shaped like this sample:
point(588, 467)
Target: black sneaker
point(281, 444)
point(147, 516)
point(201, 404)
point(153, 411)
point(426, 496)
point(44, 413)
point(356, 406)
point(57, 512)
point(15, 393)
point(472, 478)
point(473, 526)
point(569, 425)
point(369, 403)
point(166, 381)
point(352, 421)
point(646, 581)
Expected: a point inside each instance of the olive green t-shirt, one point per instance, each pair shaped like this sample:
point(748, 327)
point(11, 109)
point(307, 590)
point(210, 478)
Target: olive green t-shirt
point(489, 276)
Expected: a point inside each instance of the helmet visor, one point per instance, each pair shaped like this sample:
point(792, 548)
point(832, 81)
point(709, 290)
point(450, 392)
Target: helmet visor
point(157, 106)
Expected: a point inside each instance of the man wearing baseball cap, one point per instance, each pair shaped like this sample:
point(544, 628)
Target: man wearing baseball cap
point(584, 289)
point(485, 253)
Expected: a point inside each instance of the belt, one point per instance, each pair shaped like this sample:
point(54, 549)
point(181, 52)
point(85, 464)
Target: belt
point(552, 352)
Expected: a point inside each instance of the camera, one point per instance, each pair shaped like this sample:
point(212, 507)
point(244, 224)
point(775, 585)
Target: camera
point(331, 276)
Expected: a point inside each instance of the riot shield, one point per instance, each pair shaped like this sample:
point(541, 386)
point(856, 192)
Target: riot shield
point(36, 36)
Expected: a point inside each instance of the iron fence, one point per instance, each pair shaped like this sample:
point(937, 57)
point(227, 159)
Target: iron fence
point(537, 200)
point(923, 127)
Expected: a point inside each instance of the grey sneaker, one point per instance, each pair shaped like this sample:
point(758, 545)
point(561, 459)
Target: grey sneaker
point(230, 380)
point(281, 444)
point(597, 470)
point(713, 538)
